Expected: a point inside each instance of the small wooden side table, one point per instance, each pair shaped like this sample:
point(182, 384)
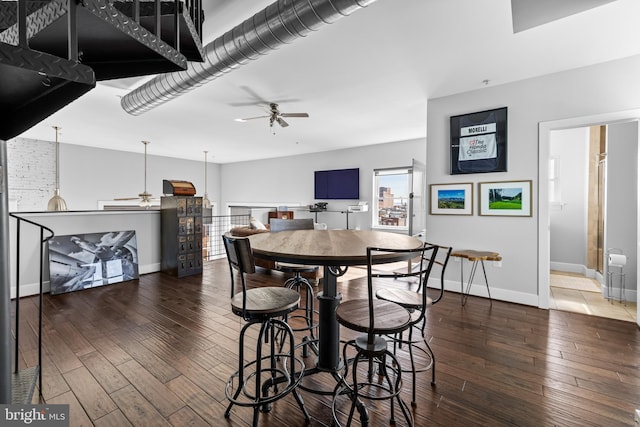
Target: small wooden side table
point(474, 257)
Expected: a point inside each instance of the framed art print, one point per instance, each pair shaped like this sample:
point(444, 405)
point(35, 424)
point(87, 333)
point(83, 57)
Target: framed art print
point(82, 261)
point(452, 199)
point(506, 198)
point(479, 142)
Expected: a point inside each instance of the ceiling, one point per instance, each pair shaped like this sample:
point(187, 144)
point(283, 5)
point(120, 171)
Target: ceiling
point(363, 80)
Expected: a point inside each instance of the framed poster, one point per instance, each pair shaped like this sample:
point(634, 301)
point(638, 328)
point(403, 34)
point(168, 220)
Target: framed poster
point(479, 142)
point(452, 199)
point(82, 261)
point(506, 198)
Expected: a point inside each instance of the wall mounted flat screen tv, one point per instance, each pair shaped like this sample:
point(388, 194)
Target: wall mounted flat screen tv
point(337, 184)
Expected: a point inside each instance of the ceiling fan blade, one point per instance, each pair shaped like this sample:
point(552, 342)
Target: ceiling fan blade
point(251, 118)
point(120, 199)
point(281, 122)
point(294, 115)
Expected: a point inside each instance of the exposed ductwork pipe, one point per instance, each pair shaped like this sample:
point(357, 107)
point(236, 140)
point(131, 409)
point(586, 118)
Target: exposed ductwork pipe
point(279, 23)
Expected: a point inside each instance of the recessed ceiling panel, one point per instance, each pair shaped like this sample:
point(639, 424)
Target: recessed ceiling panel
point(532, 13)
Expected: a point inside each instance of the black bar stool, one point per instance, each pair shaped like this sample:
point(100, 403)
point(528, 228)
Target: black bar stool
point(376, 319)
point(255, 385)
point(417, 302)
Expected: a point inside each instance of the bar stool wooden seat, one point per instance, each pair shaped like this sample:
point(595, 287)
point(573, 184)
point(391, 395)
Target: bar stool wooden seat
point(306, 312)
point(266, 378)
point(417, 302)
point(375, 319)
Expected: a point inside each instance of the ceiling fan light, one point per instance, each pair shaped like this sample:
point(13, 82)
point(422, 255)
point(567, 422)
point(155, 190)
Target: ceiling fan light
point(206, 203)
point(145, 200)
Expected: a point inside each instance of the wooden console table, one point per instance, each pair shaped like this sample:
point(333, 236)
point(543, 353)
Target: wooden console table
point(475, 257)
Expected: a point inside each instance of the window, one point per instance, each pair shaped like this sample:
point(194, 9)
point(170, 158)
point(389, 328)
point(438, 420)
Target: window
point(392, 189)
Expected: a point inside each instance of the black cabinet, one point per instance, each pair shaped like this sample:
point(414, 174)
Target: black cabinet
point(181, 230)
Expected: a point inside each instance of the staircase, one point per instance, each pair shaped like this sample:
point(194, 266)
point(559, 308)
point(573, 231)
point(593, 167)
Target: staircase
point(53, 52)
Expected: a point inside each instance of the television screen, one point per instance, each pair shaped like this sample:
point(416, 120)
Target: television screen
point(337, 184)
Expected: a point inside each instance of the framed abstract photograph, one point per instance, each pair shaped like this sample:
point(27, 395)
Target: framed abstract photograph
point(479, 142)
point(452, 199)
point(506, 198)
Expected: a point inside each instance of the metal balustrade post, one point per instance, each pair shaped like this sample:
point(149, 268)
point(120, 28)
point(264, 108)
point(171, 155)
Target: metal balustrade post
point(176, 25)
point(72, 31)
point(17, 336)
point(5, 287)
point(22, 24)
point(157, 18)
point(136, 11)
point(25, 380)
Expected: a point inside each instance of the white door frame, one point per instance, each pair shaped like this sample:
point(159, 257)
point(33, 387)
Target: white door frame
point(544, 138)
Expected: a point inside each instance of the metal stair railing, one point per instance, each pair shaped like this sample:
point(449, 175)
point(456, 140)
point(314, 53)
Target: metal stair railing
point(23, 382)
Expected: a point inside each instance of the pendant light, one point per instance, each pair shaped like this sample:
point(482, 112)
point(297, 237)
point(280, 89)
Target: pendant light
point(57, 203)
point(145, 197)
point(206, 203)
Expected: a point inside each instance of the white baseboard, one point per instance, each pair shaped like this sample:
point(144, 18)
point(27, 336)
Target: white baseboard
point(480, 290)
point(34, 288)
point(566, 267)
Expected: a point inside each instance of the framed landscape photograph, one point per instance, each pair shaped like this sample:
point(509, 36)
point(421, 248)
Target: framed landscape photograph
point(479, 142)
point(506, 198)
point(452, 199)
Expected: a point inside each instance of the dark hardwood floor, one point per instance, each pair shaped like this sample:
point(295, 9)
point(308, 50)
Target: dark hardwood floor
point(160, 350)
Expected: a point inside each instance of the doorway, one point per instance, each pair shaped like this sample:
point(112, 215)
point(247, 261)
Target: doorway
point(546, 186)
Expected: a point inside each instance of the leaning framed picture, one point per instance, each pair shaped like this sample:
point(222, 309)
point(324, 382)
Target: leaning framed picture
point(82, 261)
point(479, 142)
point(505, 198)
point(452, 199)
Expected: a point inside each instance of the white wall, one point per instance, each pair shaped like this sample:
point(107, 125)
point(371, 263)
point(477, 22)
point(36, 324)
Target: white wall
point(31, 175)
point(289, 180)
point(568, 217)
point(88, 174)
point(607, 87)
point(622, 198)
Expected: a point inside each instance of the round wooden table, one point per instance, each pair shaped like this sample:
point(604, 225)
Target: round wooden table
point(331, 249)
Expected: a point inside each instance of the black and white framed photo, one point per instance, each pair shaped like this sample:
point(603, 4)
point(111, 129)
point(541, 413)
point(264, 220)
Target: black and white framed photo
point(82, 261)
point(479, 142)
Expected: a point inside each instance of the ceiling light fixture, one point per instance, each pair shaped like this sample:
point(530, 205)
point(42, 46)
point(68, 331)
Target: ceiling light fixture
point(206, 203)
point(57, 203)
point(145, 196)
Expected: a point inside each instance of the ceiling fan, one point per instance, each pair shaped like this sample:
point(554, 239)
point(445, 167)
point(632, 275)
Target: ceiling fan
point(145, 196)
point(275, 116)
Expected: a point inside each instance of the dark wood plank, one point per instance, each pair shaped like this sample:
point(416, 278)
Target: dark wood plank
point(113, 419)
point(94, 399)
point(77, 416)
point(137, 409)
point(153, 390)
point(109, 378)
